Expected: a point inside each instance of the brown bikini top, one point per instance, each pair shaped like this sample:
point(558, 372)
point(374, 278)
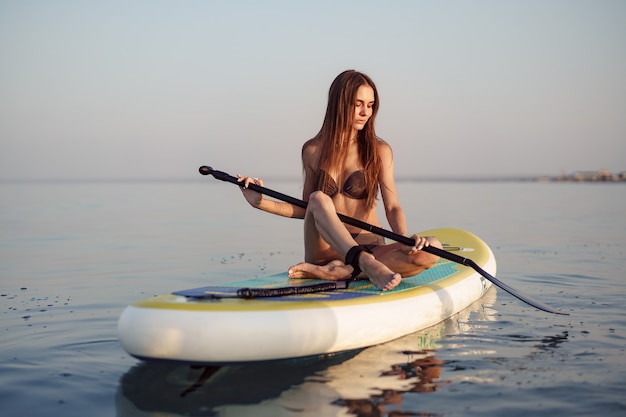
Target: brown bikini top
point(353, 187)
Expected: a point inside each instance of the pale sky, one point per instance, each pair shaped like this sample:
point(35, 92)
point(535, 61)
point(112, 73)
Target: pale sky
point(154, 89)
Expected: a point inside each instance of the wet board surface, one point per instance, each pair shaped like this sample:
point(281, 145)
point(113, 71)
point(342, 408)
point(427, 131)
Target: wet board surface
point(356, 289)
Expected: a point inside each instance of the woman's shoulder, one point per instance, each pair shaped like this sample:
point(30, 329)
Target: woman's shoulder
point(384, 148)
point(310, 148)
point(313, 143)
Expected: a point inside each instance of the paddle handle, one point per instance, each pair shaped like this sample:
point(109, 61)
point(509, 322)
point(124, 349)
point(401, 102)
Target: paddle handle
point(220, 175)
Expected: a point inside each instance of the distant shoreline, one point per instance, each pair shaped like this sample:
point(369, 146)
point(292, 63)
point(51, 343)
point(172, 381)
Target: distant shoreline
point(601, 176)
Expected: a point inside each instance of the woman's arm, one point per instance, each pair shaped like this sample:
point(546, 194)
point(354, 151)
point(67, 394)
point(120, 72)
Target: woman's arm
point(309, 163)
point(258, 201)
point(393, 210)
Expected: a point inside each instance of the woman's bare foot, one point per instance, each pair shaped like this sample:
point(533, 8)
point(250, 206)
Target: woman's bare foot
point(378, 273)
point(381, 276)
point(334, 270)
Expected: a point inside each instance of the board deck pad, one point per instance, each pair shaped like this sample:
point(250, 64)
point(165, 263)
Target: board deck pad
point(356, 289)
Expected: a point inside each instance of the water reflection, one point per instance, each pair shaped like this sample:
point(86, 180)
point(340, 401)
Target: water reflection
point(424, 374)
point(363, 382)
point(153, 388)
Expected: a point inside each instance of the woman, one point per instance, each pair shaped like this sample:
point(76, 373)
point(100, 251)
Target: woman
point(345, 165)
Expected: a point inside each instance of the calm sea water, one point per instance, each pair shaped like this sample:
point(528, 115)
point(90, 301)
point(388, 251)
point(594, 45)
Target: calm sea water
point(73, 255)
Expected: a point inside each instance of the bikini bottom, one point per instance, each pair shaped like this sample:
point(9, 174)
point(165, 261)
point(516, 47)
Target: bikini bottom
point(368, 240)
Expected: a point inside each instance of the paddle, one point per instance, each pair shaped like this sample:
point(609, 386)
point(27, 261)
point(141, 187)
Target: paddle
point(206, 170)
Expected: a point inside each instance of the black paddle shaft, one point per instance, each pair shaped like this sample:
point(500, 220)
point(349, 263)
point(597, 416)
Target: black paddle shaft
point(220, 175)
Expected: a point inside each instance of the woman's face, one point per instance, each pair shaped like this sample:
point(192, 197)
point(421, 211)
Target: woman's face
point(363, 107)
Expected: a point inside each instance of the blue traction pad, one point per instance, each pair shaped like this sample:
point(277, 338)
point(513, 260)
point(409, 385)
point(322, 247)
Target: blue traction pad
point(356, 289)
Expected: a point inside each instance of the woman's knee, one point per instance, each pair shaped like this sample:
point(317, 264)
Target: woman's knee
point(433, 241)
point(425, 260)
point(318, 201)
point(429, 258)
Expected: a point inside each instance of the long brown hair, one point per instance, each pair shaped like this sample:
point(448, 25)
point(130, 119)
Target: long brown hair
point(335, 133)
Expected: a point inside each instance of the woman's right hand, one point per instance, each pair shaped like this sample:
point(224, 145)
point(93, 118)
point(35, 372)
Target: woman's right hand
point(253, 197)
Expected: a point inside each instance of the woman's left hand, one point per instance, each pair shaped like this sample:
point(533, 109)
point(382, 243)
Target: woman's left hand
point(420, 243)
